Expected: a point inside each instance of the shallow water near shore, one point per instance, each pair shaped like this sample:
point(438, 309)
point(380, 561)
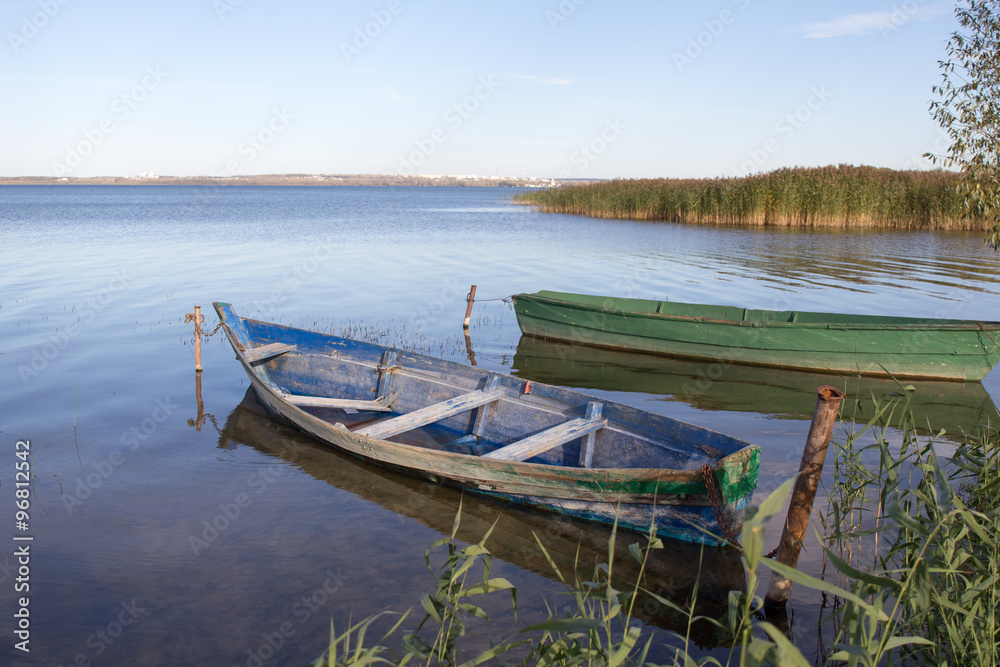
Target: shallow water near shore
point(172, 531)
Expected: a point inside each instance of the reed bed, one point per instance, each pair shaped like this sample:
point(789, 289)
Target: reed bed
point(836, 196)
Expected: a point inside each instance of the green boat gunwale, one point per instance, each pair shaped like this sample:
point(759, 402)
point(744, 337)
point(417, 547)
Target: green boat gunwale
point(902, 323)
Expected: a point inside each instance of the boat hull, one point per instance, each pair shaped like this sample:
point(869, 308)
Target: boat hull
point(865, 345)
point(673, 500)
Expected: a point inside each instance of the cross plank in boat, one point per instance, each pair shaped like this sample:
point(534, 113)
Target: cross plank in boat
point(546, 440)
point(594, 409)
point(483, 412)
point(386, 370)
point(268, 351)
point(380, 405)
point(430, 414)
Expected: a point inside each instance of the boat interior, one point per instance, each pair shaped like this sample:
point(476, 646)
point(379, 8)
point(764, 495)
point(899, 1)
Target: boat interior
point(416, 400)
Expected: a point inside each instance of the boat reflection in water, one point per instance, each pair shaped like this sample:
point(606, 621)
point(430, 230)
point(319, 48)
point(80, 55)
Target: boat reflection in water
point(721, 385)
point(671, 572)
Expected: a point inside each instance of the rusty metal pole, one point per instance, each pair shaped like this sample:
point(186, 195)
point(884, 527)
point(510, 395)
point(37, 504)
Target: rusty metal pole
point(828, 401)
point(470, 298)
point(197, 339)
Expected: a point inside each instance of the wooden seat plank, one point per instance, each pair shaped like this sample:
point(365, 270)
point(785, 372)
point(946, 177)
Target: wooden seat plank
point(430, 414)
point(268, 351)
point(534, 445)
point(380, 405)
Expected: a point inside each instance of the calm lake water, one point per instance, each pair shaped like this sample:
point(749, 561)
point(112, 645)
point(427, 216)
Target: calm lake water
point(167, 532)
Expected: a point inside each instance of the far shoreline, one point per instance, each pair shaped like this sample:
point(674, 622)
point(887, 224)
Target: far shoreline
point(299, 180)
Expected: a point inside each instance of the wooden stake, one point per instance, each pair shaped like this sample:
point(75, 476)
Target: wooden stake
point(804, 493)
point(197, 339)
point(468, 309)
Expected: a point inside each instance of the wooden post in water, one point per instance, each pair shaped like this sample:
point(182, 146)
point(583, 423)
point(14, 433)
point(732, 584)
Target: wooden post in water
point(197, 339)
point(469, 299)
point(828, 401)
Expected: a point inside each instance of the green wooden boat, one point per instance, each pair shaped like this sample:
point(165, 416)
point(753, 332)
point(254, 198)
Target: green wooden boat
point(901, 347)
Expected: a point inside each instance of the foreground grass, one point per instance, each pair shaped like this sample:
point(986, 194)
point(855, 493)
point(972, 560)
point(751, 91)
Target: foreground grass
point(912, 545)
point(843, 196)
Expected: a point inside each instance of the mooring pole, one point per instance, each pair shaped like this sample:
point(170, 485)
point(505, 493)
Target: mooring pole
point(828, 401)
point(197, 339)
point(469, 299)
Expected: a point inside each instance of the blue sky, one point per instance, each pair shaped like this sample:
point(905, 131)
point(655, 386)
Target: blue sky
point(550, 88)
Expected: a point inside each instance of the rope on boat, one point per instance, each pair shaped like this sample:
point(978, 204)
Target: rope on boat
point(189, 317)
point(988, 334)
point(719, 509)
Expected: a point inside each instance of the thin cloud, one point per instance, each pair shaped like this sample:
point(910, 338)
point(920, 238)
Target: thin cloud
point(393, 96)
point(538, 79)
point(866, 24)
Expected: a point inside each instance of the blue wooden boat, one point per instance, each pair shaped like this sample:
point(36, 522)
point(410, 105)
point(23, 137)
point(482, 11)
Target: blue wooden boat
point(498, 435)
